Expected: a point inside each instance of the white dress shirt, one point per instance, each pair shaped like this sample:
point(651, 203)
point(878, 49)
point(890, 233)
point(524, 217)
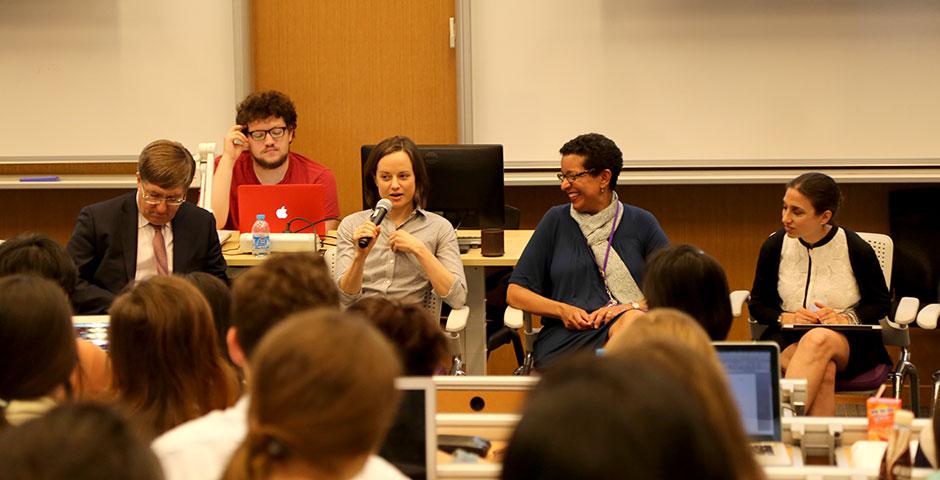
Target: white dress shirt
point(146, 262)
point(201, 449)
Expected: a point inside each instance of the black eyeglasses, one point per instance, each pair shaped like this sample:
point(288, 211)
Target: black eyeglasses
point(258, 135)
point(571, 177)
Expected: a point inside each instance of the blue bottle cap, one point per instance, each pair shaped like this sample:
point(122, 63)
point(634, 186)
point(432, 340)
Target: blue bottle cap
point(260, 216)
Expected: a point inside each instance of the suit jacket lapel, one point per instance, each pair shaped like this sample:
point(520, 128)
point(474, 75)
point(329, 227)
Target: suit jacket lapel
point(128, 238)
point(179, 239)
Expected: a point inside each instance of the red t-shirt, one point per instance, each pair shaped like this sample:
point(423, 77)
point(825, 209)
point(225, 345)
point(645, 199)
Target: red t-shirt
point(300, 170)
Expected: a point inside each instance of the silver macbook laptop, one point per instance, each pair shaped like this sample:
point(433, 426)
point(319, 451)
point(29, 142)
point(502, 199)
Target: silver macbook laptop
point(411, 444)
point(753, 371)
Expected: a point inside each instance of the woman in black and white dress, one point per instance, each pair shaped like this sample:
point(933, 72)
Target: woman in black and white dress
point(814, 272)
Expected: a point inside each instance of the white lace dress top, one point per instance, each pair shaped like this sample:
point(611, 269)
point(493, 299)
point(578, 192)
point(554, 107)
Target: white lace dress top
point(820, 274)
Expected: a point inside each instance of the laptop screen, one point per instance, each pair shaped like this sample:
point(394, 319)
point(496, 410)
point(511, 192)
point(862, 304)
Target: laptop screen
point(411, 444)
point(754, 377)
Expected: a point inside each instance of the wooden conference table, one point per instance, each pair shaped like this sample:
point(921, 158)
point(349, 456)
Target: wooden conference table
point(474, 262)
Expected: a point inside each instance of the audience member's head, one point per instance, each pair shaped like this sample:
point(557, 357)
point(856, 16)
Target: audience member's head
point(167, 367)
point(385, 148)
point(219, 297)
point(37, 343)
point(703, 380)
point(38, 254)
point(664, 323)
point(266, 294)
point(603, 418)
point(417, 337)
point(685, 278)
point(322, 398)
point(82, 441)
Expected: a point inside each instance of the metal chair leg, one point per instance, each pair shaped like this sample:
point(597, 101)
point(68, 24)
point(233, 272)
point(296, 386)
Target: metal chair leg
point(936, 391)
point(907, 370)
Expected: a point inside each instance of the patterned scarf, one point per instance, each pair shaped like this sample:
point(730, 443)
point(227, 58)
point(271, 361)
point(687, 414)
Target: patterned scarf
point(596, 228)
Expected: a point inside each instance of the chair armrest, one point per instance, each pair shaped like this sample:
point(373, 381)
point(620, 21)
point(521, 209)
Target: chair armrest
point(906, 312)
point(927, 318)
point(457, 320)
point(513, 317)
point(738, 297)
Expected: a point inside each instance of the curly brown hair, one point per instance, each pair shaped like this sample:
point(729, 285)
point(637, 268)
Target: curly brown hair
point(417, 337)
point(262, 105)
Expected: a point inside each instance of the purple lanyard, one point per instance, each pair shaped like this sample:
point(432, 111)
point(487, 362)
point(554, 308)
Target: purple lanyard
point(610, 240)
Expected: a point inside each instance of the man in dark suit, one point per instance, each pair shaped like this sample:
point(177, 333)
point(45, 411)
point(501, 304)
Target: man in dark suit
point(152, 231)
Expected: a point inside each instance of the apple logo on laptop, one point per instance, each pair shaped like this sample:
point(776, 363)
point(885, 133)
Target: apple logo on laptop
point(281, 213)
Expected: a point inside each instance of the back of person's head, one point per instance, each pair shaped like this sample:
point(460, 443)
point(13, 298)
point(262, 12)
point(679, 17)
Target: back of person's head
point(38, 254)
point(602, 418)
point(417, 337)
point(282, 285)
point(322, 397)
point(166, 364)
point(217, 293)
point(166, 164)
point(685, 278)
point(664, 323)
point(83, 441)
point(821, 190)
point(703, 380)
point(37, 341)
point(263, 105)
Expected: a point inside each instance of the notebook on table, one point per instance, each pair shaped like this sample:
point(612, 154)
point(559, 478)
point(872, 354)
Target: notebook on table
point(802, 327)
point(280, 204)
point(753, 371)
point(411, 444)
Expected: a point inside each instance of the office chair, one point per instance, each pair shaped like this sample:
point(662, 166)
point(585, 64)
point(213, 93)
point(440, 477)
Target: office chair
point(455, 325)
point(927, 319)
point(893, 333)
point(205, 166)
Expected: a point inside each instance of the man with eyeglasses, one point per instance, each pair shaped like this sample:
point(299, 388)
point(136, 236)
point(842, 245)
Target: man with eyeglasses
point(256, 151)
point(151, 231)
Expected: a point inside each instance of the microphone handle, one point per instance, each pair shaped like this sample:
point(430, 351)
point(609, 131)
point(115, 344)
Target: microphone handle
point(377, 216)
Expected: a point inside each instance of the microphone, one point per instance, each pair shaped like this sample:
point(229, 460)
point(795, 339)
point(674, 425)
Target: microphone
point(381, 209)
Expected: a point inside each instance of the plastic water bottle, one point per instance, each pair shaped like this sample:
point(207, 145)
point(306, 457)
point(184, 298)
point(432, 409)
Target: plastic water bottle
point(260, 237)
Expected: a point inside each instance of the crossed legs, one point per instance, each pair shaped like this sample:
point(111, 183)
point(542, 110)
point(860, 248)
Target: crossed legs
point(817, 357)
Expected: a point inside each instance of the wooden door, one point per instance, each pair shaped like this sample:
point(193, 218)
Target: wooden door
point(358, 71)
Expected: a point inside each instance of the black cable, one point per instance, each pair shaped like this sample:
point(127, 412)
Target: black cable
point(310, 224)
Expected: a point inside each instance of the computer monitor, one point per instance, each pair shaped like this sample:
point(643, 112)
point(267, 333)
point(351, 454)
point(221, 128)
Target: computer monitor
point(754, 377)
point(411, 443)
point(466, 183)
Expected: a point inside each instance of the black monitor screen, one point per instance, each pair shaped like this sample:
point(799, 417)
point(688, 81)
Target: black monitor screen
point(466, 183)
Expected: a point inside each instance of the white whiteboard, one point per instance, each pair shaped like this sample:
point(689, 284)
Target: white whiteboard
point(705, 83)
point(89, 79)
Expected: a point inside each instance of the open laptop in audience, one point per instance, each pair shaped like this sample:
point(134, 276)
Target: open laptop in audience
point(281, 204)
point(411, 444)
point(753, 371)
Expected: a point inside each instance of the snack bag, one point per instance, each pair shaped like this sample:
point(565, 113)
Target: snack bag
point(880, 413)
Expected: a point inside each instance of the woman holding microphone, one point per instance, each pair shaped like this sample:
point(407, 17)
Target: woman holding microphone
point(407, 251)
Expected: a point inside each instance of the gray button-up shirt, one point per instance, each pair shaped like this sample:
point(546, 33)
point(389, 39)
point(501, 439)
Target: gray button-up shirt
point(399, 275)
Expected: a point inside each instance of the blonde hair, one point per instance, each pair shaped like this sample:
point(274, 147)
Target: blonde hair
point(701, 374)
point(322, 394)
point(664, 323)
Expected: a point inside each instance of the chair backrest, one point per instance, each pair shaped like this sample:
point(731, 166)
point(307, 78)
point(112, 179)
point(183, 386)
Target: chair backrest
point(884, 249)
point(431, 302)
